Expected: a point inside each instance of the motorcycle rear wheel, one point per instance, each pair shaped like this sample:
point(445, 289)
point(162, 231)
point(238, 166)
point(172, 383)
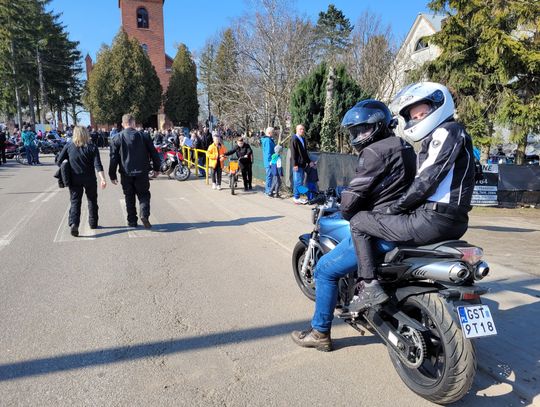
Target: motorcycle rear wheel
point(305, 282)
point(182, 172)
point(449, 364)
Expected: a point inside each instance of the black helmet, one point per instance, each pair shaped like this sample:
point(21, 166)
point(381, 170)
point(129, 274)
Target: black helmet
point(367, 121)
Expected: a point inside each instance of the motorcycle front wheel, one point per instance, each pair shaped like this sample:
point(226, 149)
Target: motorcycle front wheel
point(306, 281)
point(446, 365)
point(182, 172)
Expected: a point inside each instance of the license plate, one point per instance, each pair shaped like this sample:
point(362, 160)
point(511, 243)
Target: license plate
point(476, 321)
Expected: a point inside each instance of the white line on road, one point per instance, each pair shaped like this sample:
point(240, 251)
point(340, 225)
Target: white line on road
point(47, 191)
point(51, 195)
point(63, 233)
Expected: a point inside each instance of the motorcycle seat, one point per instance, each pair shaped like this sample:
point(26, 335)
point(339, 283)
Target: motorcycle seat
point(442, 249)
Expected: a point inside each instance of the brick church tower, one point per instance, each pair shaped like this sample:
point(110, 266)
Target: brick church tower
point(143, 20)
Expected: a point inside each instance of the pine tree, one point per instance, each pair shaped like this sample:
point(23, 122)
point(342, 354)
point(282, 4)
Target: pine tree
point(333, 32)
point(308, 101)
point(122, 81)
point(225, 68)
point(489, 65)
point(181, 104)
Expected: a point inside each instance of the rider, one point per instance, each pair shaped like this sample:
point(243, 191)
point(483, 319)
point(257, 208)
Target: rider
point(386, 168)
point(436, 205)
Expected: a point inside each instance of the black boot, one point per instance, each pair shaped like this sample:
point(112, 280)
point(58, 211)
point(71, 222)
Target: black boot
point(313, 339)
point(75, 230)
point(369, 294)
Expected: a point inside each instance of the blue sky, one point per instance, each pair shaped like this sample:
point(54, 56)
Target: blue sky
point(95, 22)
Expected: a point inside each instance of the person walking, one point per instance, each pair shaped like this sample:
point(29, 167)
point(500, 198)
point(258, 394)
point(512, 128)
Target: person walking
point(3, 138)
point(28, 139)
point(268, 145)
point(131, 153)
point(300, 161)
point(84, 161)
point(216, 156)
point(244, 153)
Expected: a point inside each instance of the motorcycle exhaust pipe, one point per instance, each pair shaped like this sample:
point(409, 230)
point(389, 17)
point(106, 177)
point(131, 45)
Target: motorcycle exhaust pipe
point(454, 272)
point(481, 270)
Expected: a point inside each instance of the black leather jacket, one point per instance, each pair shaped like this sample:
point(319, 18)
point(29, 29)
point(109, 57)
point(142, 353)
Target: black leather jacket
point(446, 171)
point(132, 152)
point(385, 171)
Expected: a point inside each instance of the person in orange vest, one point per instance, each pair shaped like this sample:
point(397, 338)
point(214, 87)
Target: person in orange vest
point(216, 157)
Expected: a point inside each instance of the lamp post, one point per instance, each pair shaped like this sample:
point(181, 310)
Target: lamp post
point(43, 94)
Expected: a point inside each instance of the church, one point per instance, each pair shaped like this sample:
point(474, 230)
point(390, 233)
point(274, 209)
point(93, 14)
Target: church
point(143, 20)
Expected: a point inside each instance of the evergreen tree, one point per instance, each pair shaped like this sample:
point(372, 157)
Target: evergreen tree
point(122, 81)
point(333, 32)
point(181, 104)
point(308, 102)
point(488, 64)
point(225, 69)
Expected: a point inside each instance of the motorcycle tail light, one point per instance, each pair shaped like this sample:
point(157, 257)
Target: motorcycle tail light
point(471, 255)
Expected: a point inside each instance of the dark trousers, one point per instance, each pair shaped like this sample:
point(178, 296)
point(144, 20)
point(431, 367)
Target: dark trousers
point(76, 189)
point(420, 227)
point(247, 175)
point(216, 175)
point(138, 186)
point(2, 153)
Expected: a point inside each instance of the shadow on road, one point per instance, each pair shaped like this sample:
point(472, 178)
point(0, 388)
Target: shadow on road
point(503, 229)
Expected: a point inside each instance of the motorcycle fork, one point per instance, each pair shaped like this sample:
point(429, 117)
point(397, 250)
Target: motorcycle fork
point(310, 253)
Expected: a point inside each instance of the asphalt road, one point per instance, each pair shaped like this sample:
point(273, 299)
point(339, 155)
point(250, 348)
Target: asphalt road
point(196, 312)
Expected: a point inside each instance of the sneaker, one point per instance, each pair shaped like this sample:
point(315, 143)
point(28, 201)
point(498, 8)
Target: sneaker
point(368, 296)
point(214, 186)
point(146, 223)
point(219, 187)
point(299, 201)
point(313, 339)
point(75, 230)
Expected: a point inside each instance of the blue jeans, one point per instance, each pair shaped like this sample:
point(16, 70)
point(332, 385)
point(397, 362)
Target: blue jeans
point(298, 181)
point(268, 181)
point(330, 268)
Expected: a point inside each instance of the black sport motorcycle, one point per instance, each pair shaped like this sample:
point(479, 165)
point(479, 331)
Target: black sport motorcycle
point(434, 309)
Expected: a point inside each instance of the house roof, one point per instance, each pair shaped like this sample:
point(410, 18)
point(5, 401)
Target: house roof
point(434, 19)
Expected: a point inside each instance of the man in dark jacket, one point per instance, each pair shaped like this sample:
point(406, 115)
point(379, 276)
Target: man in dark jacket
point(386, 168)
point(244, 154)
point(300, 161)
point(131, 151)
point(436, 205)
point(2, 147)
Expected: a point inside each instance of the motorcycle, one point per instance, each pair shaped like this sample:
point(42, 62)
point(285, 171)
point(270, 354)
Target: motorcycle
point(434, 311)
point(172, 163)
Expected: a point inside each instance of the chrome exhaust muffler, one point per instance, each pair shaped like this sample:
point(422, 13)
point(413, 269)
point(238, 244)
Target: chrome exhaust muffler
point(453, 271)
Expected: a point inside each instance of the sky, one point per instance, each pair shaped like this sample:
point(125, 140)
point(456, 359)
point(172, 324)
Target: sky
point(192, 22)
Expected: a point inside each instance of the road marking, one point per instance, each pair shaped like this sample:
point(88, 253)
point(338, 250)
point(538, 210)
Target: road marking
point(63, 233)
point(51, 195)
point(47, 191)
point(135, 232)
point(8, 237)
point(177, 206)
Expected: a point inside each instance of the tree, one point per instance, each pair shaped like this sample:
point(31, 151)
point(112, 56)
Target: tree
point(488, 65)
point(333, 32)
point(123, 80)
point(181, 104)
point(207, 72)
point(225, 70)
point(308, 101)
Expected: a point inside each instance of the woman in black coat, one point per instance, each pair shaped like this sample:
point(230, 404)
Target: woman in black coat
point(84, 160)
point(244, 153)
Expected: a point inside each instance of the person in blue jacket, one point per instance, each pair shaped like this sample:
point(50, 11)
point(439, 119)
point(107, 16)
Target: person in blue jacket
point(268, 146)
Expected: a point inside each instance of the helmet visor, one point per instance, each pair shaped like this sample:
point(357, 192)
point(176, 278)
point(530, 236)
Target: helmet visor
point(362, 132)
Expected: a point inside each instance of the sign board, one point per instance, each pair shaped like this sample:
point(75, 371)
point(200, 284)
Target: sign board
point(485, 191)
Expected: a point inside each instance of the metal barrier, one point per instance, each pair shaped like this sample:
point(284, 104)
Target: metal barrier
point(189, 153)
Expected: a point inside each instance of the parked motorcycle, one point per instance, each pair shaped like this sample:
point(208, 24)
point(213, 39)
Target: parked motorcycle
point(172, 163)
point(434, 309)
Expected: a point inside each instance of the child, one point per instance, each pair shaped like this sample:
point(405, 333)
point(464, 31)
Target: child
point(312, 177)
point(277, 172)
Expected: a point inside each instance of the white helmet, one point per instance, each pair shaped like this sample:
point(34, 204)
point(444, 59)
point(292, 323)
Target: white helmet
point(433, 94)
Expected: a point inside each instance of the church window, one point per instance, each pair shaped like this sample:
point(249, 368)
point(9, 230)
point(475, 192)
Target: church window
point(142, 18)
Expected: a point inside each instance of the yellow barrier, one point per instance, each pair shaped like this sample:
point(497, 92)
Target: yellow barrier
point(186, 152)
